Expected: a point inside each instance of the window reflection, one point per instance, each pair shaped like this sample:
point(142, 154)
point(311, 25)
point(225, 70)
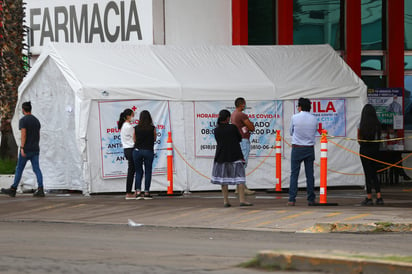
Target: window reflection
point(408, 24)
point(372, 62)
point(317, 22)
point(372, 25)
point(374, 81)
point(408, 62)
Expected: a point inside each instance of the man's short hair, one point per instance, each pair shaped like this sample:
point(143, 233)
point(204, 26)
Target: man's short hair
point(239, 101)
point(26, 106)
point(304, 104)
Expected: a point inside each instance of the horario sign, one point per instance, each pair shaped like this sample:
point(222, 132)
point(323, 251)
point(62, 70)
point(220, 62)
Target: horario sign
point(89, 22)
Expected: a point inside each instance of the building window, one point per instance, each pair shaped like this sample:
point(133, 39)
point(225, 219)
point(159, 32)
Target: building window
point(408, 102)
point(408, 90)
point(373, 68)
point(261, 21)
point(318, 22)
point(373, 25)
point(408, 25)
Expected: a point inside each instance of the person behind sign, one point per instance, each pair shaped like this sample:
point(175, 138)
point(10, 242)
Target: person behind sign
point(303, 128)
point(370, 130)
point(228, 166)
point(29, 150)
point(245, 127)
point(143, 153)
point(127, 137)
point(395, 107)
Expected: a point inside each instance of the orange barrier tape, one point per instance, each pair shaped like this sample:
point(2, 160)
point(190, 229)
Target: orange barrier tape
point(184, 160)
point(207, 177)
point(371, 141)
point(331, 170)
point(369, 158)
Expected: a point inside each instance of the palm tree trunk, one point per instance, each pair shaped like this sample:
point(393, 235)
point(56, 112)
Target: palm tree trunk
point(12, 69)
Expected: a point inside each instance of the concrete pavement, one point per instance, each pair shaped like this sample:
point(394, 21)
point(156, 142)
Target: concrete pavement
point(205, 210)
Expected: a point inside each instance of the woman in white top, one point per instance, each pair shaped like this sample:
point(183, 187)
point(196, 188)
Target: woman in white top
point(128, 138)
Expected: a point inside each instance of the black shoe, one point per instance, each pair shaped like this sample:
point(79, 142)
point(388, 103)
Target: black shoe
point(406, 178)
point(245, 204)
point(9, 191)
point(312, 203)
point(39, 192)
point(379, 201)
point(147, 196)
point(367, 202)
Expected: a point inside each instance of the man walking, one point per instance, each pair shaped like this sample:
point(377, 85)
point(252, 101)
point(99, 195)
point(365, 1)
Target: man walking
point(245, 126)
point(29, 150)
point(303, 128)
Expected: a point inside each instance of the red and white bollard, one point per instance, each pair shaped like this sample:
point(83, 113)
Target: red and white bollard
point(323, 167)
point(170, 163)
point(324, 170)
point(278, 162)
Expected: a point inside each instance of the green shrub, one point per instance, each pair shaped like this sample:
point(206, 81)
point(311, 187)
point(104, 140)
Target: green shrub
point(7, 166)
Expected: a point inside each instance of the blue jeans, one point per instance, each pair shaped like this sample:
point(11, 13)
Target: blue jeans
point(245, 147)
point(299, 155)
point(21, 163)
point(143, 157)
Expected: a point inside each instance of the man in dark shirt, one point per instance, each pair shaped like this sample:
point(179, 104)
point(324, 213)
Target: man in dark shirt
point(29, 150)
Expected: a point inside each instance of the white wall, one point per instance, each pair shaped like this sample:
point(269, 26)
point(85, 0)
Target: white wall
point(197, 22)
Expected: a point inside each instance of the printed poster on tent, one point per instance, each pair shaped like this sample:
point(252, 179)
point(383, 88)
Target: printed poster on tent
point(267, 116)
point(114, 164)
point(331, 115)
point(388, 103)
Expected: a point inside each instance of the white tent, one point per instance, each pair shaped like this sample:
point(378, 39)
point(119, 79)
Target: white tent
point(67, 83)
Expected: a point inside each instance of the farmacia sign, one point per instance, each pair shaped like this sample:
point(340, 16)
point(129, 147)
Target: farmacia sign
point(88, 22)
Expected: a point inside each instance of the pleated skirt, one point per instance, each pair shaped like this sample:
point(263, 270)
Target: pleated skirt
point(232, 173)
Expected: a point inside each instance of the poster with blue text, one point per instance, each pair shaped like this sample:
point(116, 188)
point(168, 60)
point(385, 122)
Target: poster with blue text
point(114, 163)
point(267, 116)
point(331, 115)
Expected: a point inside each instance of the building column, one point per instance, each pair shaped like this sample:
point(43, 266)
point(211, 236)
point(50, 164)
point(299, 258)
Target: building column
point(284, 26)
point(353, 36)
point(395, 36)
point(240, 22)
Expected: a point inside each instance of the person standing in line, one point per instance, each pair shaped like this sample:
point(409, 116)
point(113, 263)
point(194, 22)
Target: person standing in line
point(303, 128)
point(143, 153)
point(369, 130)
point(128, 139)
point(245, 127)
point(228, 165)
point(29, 126)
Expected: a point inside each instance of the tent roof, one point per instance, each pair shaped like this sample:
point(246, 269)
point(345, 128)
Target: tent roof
point(201, 72)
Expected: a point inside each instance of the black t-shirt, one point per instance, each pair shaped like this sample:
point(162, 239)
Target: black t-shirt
point(144, 138)
point(228, 143)
point(32, 126)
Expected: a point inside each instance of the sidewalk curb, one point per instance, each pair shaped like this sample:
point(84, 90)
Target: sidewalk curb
point(370, 227)
point(325, 263)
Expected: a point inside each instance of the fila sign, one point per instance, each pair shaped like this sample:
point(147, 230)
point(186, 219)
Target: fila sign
point(89, 22)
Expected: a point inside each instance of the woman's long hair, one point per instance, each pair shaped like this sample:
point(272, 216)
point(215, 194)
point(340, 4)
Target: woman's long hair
point(223, 115)
point(370, 127)
point(145, 120)
point(123, 116)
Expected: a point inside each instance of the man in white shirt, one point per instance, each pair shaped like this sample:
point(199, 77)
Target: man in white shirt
point(303, 128)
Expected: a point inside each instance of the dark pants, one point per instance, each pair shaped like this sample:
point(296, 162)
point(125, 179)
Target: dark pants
point(33, 157)
point(143, 157)
point(299, 155)
point(128, 153)
point(370, 168)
